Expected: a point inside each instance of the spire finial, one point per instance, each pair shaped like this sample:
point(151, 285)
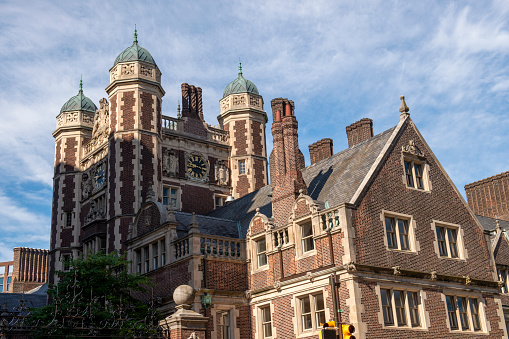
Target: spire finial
point(81, 83)
point(178, 109)
point(403, 108)
point(135, 41)
point(240, 67)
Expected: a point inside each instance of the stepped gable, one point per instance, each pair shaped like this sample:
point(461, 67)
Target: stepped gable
point(336, 179)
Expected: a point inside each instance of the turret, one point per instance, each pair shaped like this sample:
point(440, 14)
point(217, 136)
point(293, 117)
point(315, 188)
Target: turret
point(74, 129)
point(242, 115)
point(134, 155)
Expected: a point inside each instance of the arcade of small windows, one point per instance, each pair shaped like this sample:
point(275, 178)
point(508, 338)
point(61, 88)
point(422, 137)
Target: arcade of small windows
point(150, 257)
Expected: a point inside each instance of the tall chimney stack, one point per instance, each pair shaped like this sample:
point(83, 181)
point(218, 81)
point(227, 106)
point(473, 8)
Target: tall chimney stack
point(359, 131)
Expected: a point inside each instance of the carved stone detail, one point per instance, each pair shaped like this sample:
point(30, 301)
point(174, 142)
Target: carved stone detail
point(113, 74)
point(222, 172)
point(193, 336)
point(433, 275)
point(350, 266)
point(128, 69)
point(248, 294)
point(225, 104)
point(170, 163)
point(254, 101)
point(397, 270)
point(468, 280)
point(310, 276)
point(412, 149)
point(86, 185)
point(146, 71)
point(277, 286)
point(239, 100)
point(72, 117)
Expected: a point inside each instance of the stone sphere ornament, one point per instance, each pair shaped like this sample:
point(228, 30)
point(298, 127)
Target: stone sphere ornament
point(184, 295)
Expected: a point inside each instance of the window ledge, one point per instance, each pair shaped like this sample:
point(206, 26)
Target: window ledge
point(260, 269)
point(418, 189)
point(308, 333)
point(401, 251)
point(480, 332)
point(406, 328)
point(449, 258)
point(306, 254)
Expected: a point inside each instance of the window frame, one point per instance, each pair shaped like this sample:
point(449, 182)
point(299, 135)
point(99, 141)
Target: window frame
point(313, 312)
point(242, 167)
point(412, 177)
point(254, 252)
point(262, 322)
point(502, 273)
point(408, 223)
point(304, 237)
point(464, 314)
point(222, 198)
point(459, 245)
point(170, 197)
point(406, 312)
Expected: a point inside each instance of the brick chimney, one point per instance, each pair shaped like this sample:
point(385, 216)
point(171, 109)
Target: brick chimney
point(192, 110)
point(490, 197)
point(359, 131)
point(322, 149)
point(286, 160)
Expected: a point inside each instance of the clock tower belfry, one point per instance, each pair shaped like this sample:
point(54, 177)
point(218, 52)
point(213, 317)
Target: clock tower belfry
point(243, 116)
point(134, 152)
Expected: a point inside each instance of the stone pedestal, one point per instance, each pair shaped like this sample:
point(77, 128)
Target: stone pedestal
point(185, 323)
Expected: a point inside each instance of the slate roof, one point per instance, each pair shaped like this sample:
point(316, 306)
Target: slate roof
point(489, 223)
point(335, 179)
point(207, 225)
point(12, 300)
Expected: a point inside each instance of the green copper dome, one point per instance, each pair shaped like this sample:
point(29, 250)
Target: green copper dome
point(79, 102)
point(240, 85)
point(135, 53)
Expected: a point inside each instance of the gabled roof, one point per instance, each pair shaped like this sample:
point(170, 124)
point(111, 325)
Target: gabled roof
point(207, 225)
point(335, 179)
point(489, 224)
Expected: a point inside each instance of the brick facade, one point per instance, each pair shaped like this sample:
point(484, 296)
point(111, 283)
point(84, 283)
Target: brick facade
point(490, 197)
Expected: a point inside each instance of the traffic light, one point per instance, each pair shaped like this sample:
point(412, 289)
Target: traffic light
point(348, 331)
point(328, 331)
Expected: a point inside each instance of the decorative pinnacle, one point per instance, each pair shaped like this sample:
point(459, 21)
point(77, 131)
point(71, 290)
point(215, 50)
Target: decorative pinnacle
point(81, 84)
point(135, 41)
point(403, 108)
point(178, 109)
point(240, 67)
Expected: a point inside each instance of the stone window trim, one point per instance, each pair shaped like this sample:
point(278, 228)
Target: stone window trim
point(219, 200)
point(412, 179)
point(423, 314)
point(462, 253)
point(503, 277)
point(261, 322)
point(305, 240)
point(233, 313)
point(242, 166)
point(172, 194)
point(255, 241)
point(313, 312)
point(68, 219)
point(413, 244)
point(483, 323)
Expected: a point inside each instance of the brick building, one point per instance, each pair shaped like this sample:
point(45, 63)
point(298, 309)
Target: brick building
point(489, 199)
point(191, 204)
point(27, 271)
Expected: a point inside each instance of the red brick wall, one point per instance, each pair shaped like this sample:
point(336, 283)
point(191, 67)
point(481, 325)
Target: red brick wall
point(490, 197)
point(257, 132)
point(112, 176)
point(240, 137)
point(113, 114)
point(127, 182)
point(226, 276)
point(71, 147)
point(58, 159)
point(389, 192)
point(282, 317)
point(148, 153)
point(128, 115)
point(147, 111)
point(243, 186)
point(200, 206)
point(259, 167)
point(152, 214)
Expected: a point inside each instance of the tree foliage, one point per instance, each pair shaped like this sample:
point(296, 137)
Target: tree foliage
point(94, 298)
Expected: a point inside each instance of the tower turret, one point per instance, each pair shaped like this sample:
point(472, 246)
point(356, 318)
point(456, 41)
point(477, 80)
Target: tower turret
point(134, 154)
point(243, 116)
point(74, 129)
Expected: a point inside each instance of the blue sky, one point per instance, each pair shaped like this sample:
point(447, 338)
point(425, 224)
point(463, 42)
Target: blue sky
point(340, 61)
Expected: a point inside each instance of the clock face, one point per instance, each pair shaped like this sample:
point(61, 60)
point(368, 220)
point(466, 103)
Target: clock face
point(196, 167)
point(99, 177)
